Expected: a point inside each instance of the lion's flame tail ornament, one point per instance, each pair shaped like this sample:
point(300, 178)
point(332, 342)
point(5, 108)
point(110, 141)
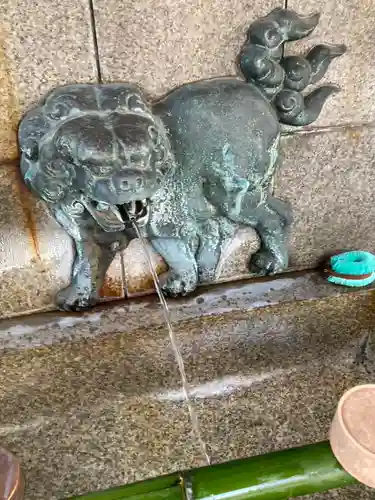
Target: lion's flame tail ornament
point(283, 78)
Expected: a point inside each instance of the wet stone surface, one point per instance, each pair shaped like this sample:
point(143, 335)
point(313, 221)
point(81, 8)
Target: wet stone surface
point(271, 379)
point(85, 416)
point(260, 380)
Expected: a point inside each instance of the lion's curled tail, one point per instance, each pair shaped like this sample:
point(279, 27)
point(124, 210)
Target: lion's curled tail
point(282, 79)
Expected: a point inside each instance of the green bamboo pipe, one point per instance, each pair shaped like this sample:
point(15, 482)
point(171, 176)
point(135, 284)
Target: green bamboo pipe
point(275, 476)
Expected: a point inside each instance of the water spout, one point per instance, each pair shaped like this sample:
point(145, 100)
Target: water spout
point(176, 350)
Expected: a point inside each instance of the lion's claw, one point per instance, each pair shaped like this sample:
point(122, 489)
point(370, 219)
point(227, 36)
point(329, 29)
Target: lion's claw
point(73, 299)
point(266, 262)
point(176, 286)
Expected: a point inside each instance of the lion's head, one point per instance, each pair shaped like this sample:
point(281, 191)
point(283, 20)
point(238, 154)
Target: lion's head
point(101, 142)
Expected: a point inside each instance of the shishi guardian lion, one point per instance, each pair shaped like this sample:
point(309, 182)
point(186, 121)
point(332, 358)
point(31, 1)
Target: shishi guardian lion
point(189, 168)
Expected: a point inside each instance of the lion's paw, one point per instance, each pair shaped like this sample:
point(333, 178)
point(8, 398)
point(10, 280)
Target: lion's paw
point(179, 285)
point(266, 262)
point(75, 299)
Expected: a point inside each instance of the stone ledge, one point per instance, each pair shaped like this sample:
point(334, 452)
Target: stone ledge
point(143, 313)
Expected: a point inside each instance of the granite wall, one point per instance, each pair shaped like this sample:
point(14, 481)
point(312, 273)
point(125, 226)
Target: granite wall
point(327, 169)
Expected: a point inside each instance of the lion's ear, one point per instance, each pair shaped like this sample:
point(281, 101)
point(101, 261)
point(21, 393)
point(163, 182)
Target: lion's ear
point(52, 181)
point(33, 127)
point(30, 149)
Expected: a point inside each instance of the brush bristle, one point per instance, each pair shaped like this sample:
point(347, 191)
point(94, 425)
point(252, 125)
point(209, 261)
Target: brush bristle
point(352, 283)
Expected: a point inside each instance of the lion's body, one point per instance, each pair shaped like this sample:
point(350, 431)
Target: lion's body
point(224, 135)
point(214, 143)
point(222, 132)
point(203, 117)
point(201, 159)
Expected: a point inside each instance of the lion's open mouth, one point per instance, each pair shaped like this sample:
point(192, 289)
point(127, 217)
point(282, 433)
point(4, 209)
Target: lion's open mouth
point(114, 218)
point(134, 211)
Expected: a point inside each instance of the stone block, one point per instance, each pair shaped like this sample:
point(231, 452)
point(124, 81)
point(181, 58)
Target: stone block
point(20, 289)
point(42, 45)
point(161, 44)
point(138, 277)
point(329, 180)
point(351, 23)
point(36, 254)
point(233, 263)
point(270, 379)
point(114, 283)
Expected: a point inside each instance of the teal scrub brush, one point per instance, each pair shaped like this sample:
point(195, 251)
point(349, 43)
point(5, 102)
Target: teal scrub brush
point(351, 269)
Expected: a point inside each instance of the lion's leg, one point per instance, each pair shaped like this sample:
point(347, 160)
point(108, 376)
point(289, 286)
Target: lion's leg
point(82, 292)
point(273, 254)
point(213, 235)
point(183, 273)
point(95, 251)
point(90, 267)
point(270, 219)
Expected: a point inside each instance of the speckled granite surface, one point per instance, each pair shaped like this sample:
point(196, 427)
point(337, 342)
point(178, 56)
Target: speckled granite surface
point(42, 44)
point(174, 41)
point(351, 23)
point(108, 409)
point(328, 179)
point(271, 379)
point(86, 416)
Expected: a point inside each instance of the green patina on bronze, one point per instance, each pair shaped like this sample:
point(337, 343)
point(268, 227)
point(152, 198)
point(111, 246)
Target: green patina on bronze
point(190, 168)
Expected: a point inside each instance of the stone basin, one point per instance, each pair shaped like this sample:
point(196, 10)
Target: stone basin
point(94, 401)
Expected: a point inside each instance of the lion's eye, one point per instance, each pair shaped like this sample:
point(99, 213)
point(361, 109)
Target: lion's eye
point(101, 169)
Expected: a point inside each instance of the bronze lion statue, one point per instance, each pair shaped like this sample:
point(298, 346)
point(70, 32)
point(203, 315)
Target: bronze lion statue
point(188, 169)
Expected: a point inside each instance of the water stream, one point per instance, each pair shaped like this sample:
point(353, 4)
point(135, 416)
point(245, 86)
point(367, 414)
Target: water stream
point(180, 362)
